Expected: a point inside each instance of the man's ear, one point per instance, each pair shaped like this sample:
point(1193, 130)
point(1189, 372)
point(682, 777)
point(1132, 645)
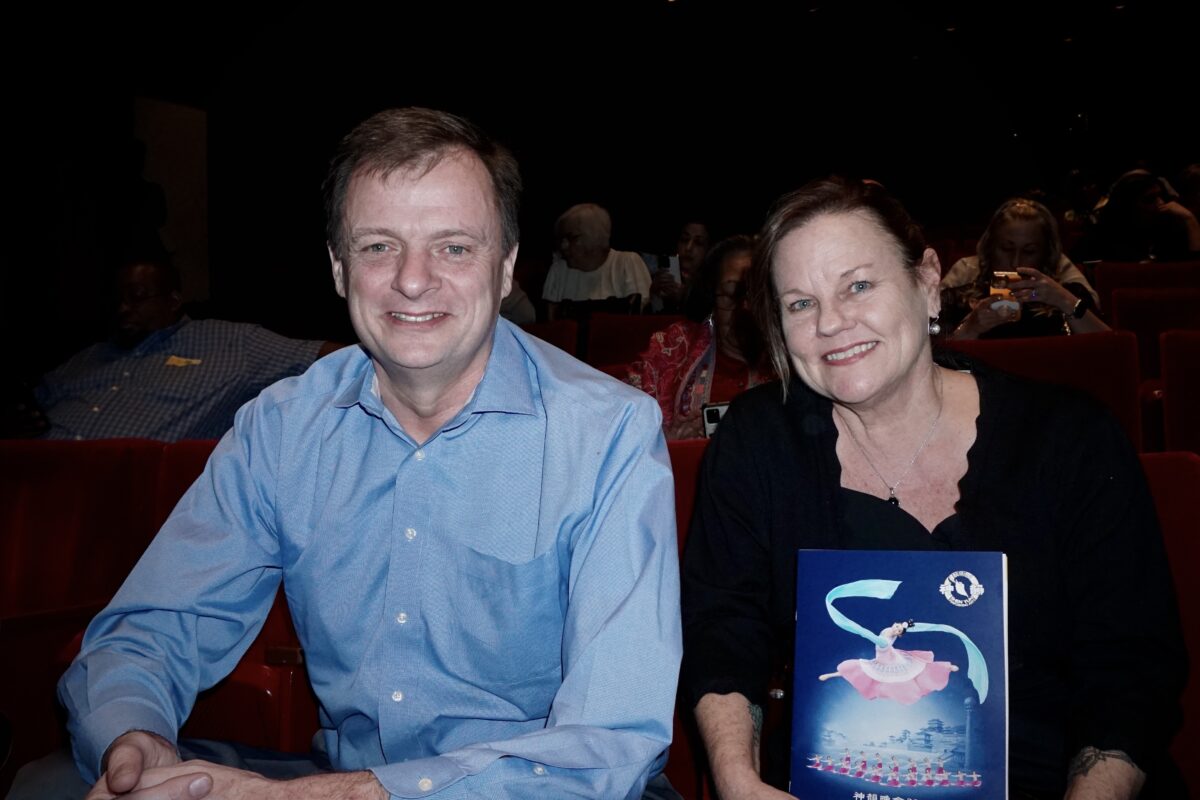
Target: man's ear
point(510, 261)
point(339, 272)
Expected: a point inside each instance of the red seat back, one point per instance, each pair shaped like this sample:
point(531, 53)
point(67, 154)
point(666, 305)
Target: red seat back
point(1175, 483)
point(1113, 275)
point(1180, 356)
point(685, 771)
point(621, 338)
point(1104, 365)
point(562, 333)
point(74, 519)
point(1150, 312)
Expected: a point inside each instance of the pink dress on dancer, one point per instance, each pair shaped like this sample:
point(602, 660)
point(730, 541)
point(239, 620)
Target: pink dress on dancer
point(904, 676)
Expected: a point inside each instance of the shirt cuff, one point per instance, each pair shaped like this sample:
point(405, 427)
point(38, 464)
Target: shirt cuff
point(99, 729)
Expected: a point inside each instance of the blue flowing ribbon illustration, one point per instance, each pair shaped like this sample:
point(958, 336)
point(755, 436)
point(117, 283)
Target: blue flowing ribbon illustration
point(883, 590)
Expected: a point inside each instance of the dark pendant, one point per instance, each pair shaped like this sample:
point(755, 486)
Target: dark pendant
point(894, 501)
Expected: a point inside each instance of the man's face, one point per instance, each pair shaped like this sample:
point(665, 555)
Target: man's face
point(425, 270)
point(146, 304)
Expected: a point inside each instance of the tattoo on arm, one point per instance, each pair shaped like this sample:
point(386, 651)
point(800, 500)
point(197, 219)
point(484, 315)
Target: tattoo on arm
point(756, 719)
point(1089, 757)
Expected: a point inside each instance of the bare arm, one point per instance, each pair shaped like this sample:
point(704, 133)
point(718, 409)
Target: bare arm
point(146, 766)
point(730, 730)
point(1103, 775)
point(192, 780)
point(1036, 286)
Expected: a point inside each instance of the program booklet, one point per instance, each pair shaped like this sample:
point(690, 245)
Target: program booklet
point(900, 689)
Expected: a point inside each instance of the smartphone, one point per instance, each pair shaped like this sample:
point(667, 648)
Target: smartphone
point(712, 416)
point(1000, 281)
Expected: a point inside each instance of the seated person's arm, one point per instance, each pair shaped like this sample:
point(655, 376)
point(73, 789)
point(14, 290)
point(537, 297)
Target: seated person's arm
point(731, 726)
point(1127, 663)
point(727, 632)
point(186, 614)
point(1103, 775)
point(143, 766)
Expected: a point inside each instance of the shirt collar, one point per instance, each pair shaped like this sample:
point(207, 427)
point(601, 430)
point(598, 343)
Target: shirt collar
point(506, 386)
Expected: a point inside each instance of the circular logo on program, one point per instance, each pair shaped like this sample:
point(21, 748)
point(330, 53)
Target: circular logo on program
point(961, 588)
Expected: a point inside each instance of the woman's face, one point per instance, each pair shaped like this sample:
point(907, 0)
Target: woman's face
point(691, 248)
point(1018, 243)
point(731, 293)
point(855, 319)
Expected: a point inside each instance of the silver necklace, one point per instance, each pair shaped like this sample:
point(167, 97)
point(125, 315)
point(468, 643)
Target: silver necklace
point(891, 487)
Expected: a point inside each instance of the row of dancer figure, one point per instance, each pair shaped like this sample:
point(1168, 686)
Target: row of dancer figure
point(873, 771)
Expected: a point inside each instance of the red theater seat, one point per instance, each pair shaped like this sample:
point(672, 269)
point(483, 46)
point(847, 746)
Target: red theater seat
point(1180, 354)
point(1150, 312)
point(74, 519)
point(1175, 483)
point(621, 338)
point(685, 770)
point(1113, 275)
point(1104, 365)
point(562, 333)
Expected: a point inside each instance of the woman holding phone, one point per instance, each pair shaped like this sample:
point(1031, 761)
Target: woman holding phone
point(1019, 283)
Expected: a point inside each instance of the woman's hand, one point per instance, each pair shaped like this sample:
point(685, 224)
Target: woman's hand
point(685, 426)
point(1037, 287)
point(988, 313)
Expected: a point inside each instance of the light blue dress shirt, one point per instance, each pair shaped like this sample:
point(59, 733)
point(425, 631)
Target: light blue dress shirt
point(494, 613)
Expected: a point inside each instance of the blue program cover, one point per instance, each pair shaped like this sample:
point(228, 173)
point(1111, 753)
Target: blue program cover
point(900, 676)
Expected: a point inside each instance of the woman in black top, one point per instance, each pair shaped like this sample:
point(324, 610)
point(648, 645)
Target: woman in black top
point(873, 445)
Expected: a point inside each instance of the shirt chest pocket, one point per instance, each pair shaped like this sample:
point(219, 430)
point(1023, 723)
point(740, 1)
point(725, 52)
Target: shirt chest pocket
point(503, 625)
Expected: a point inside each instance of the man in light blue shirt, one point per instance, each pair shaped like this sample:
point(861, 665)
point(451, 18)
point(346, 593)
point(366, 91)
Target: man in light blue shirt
point(475, 531)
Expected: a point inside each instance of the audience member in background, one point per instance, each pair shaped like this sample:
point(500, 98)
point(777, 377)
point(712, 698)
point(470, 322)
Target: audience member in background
point(588, 269)
point(713, 355)
point(1142, 220)
point(1051, 297)
point(673, 274)
point(163, 375)
point(1189, 189)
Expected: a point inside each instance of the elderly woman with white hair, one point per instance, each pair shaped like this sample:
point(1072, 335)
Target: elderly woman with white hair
point(1020, 283)
point(586, 268)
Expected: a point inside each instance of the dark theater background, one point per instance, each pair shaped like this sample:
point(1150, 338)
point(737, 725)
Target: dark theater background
point(207, 128)
point(657, 110)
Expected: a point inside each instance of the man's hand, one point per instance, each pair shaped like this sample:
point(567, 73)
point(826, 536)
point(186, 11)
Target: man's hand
point(192, 780)
point(128, 757)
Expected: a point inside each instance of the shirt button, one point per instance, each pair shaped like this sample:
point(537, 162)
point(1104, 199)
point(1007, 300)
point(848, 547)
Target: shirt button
point(78, 438)
point(539, 770)
point(424, 784)
point(95, 408)
point(115, 388)
point(409, 533)
point(419, 455)
point(125, 374)
point(397, 696)
point(402, 618)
